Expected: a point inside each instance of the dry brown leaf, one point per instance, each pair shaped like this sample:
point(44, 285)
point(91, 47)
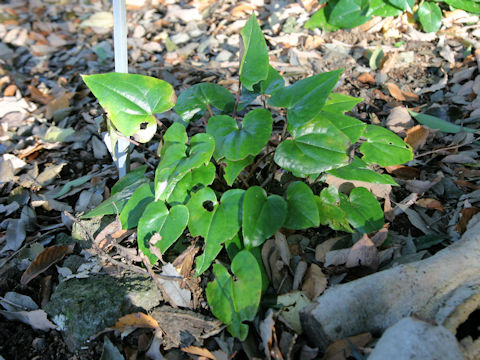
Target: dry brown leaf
point(315, 282)
point(466, 216)
point(377, 94)
point(184, 262)
point(417, 137)
point(388, 62)
point(341, 350)
point(313, 42)
point(135, 321)
point(366, 78)
point(243, 9)
point(195, 350)
point(104, 238)
point(363, 253)
point(430, 204)
point(410, 96)
point(10, 90)
point(380, 237)
point(395, 91)
point(60, 102)
point(403, 172)
point(309, 4)
point(44, 260)
point(466, 185)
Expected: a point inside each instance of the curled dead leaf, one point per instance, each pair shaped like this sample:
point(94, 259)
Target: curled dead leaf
point(417, 137)
point(195, 350)
point(44, 260)
point(430, 204)
point(135, 321)
point(466, 216)
point(366, 78)
point(363, 253)
point(395, 91)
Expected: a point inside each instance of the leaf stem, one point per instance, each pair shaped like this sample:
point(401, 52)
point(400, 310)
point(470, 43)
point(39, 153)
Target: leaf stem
point(237, 99)
point(141, 146)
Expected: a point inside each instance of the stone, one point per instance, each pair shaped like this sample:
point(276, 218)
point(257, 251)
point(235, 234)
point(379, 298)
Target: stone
point(83, 307)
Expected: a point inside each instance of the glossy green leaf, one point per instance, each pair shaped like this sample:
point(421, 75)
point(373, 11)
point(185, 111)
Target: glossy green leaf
point(272, 83)
point(351, 127)
point(302, 209)
point(347, 13)
point(340, 103)
point(179, 194)
point(115, 203)
point(316, 147)
point(175, 135)
point(330, 212)
point(135, 206)
point(235, 301)
point(132, 177)
point(201, 176)
point(470, 6)
point(262, 216)
point(201, 206)
point(358, 170)
point(233, 246)
point(233, 168)
point(406, 5)
point(305, 98)
point(430, 16)
point(193, 102)
point(131, 99)
point(175, 164)
point(254, 61)
point(225, 224)
point(318, 20)
point(383, 9)
point(363, 210)
point(436, 123)
point(236, 144)
point(384, 148)
point(158, 219)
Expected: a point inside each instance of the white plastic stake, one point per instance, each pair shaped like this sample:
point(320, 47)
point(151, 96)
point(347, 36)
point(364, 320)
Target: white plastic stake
point(121, 65)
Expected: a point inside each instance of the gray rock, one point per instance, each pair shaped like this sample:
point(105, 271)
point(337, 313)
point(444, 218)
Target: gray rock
point(224, 55)
point(5, 52)
point(414, 339)
point(180, 38)
point(83, 307)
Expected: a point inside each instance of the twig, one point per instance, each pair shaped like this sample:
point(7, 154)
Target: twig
point(141, 146)
point(442, 149)
point(210, 112)
point(257, 164)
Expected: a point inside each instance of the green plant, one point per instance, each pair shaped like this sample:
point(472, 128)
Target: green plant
point(339, 14)
point(322, 140)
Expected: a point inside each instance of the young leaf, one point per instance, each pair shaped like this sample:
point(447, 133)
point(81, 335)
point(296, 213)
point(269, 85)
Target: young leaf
point(436, 123)
point(262, 216)
point(233, 168)
point(115, 203)
point(193, 102)
point(358, 170)
point(236, 301)
point(272, 83)
point(254, 62)
point(224, 225)
point(175, 164)
point(363, 210)
point(132, 177)
point(126, 100)
point(201, 206)
point(135, 206)
point(384, 148)
point(329, 209)
point(347, 13)
point(406, 5)
point(430, 16)
point(340, 103)
point(236, 144)
point(158, 219)
point(305, 98)
point(467, 5)
point(316, 147)
point(302, 209)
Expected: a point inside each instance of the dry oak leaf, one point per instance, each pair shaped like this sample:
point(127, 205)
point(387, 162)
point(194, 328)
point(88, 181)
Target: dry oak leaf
point(363, 253)
point(417, 137)
point(430, 204)
point(315, 282)
point(135, 321)
point(366, 78)
point(44, 260)
point(403, 172)
point(395, 91)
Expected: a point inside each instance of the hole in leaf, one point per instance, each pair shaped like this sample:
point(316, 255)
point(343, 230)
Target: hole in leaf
point(390, 143)
point(208, 205)
point(143, 125)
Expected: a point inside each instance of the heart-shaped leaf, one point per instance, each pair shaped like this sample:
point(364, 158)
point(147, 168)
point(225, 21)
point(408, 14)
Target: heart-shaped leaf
point(201, 176)
point(201, 206)
point(224, 225)
point(383, 9)
point(305, 98)
point(193, 102)
point(302, 209)
point(254, 62)
point(272, 83)
point(384, 148)
point(363, 210)
point(132, 177)
point(316, 147)
point(135, 206)
point(340, 103)
point(406, 5)
point(319, 20)
point(157, 219)
point(131, 99)
point(233, 168)
point(467, 5)
point(236, 144)
point(358, 170)
point(115, 203)
point(175, 163)
point(236, 301)
point(262, 216)
point(351, 127)
point(430, 16)
point(331, 214)
point(347, 13)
